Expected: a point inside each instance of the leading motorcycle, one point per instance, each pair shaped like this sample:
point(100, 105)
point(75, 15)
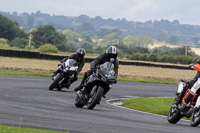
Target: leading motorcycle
point(64, 74)
point(190, 103)
point(96, 86)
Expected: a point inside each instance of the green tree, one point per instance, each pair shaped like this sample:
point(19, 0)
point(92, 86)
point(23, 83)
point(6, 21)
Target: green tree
point(71, 36)
point(161, 36)
point(130, 41)
point(48, 34)
point(10, 29)
point(86, 27)
point(110, 39)
point(85, 37)
point(20, 42)
point(145, 40)
point(173, 40)
point(133, 41)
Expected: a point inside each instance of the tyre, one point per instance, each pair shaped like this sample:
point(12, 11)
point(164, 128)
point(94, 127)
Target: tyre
point(195, 118)
point(173, 115)
point(55, 83)
point(95, 98)
point(77, 102)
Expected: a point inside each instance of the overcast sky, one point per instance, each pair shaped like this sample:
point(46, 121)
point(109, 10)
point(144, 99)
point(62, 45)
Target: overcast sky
point(186, 11)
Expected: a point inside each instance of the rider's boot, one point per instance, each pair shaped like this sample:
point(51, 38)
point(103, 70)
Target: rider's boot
point(53, 75)
point(82, 83)
point(180, 97)
point(78, 87)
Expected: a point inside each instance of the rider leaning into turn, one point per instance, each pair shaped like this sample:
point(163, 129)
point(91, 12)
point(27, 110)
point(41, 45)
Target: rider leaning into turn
point(189, 85)
point(79, 57)
point(109, 56)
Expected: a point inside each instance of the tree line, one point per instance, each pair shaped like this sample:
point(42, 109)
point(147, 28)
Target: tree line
point(163, 30)
point(46, 38)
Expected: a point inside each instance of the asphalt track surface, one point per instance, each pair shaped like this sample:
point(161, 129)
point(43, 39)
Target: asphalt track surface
point(27, 102)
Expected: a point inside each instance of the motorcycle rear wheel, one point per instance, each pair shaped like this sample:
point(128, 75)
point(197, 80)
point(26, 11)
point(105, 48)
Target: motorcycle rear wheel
point(195, 119)
point(55, 83)
point(95, 98)
point(173, 115)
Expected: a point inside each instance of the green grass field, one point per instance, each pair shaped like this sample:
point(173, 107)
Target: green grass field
point(10, 129)
point(159, 106)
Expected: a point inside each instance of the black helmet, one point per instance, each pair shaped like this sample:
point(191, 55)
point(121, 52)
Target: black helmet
point(112, 52)
point(198, 61)
point(80, 53)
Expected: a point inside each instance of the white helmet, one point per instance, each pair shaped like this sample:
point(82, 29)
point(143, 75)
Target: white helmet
point(112, 52)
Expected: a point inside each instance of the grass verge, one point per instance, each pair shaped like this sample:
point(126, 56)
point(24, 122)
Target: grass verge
point(158, 106)
point(147, 81)
point(9, 129)
point(6, 72)
point(19, 73)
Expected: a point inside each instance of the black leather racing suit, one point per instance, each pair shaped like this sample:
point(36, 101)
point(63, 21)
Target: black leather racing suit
point(102, 58)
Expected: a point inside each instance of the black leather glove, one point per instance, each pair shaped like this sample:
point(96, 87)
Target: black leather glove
point(76, 72)
point(92, 69)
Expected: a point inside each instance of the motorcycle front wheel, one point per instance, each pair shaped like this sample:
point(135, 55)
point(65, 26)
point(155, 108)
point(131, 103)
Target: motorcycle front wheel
point(173, 115)
point(195, 118)
point(55, 83)
point(95, 97)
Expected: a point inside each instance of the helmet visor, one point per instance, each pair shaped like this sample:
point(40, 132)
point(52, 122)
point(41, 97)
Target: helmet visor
point(112, 56)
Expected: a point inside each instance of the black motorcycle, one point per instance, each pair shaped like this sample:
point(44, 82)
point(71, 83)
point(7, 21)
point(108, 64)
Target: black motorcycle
point(96, 86)
point(64, 74)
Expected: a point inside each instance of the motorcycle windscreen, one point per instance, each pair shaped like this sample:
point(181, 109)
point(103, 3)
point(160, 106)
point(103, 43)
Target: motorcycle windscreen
point(107, 69)
point(70, 63)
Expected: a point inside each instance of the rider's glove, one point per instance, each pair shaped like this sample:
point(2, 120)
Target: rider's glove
point(76, 72)
point(92, 69)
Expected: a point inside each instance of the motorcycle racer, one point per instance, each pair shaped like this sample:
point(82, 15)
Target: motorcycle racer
point(79, 57)
point(189, 84)
point(110, 56)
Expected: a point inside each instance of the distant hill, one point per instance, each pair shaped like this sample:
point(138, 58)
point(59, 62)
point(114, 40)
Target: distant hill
point(159, 30)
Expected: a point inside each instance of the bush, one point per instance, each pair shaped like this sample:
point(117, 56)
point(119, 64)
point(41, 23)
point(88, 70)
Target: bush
point(3, 41)
point(48, 48)
point(153, 57)
point(144, 57)
point(135, 56)
point(29, 48)
point(164, 59)
point(91, 51)
point(3, 44)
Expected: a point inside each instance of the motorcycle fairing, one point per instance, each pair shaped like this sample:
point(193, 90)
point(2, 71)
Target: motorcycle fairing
point(181, 85)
